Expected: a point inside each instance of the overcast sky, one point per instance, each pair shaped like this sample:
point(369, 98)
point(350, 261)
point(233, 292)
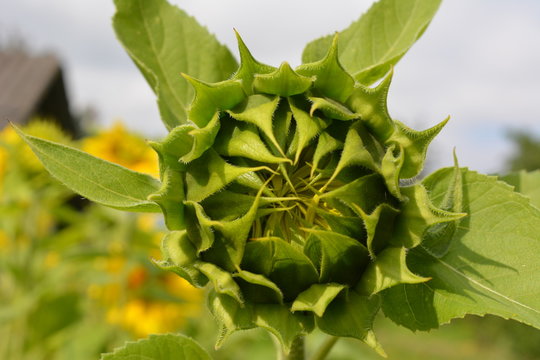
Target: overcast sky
point(478, 62)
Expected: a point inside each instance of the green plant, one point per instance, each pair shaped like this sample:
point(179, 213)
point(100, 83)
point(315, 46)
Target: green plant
point(288, 190)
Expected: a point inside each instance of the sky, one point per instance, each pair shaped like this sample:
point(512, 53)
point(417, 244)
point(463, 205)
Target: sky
point(479, 62)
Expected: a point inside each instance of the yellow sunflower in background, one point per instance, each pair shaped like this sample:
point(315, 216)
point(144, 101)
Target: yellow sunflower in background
point(12, 144)
point(119, 146)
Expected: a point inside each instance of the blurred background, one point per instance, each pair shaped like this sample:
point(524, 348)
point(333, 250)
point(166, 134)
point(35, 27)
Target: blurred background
point(76, 279)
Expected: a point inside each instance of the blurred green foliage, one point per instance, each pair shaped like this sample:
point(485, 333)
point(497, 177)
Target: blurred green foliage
point(75, 278)
point(526, 155)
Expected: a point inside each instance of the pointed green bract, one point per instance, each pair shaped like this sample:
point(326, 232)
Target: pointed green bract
point(489, 268)
point(307, 127)
point(209, 174)
point(378, 40)
point(249, 66)
point(379, 226)
point(417, 215)
point(277, 319)
point(331, 80)
point(331, 109)
point(285, 325)
point(164, 42)
point(244, 141)
point(352, 315)
point(222, 280)
point(438, 238)
point(370, 105)
point(317, 298)
point(99, 180)
point(259, 289)
point(338, 258)
point(178, 248)
point(414, 144)
point(389, 269)
point(283, 82)
point(287, 267)
point(210, 98)
point(160, 347)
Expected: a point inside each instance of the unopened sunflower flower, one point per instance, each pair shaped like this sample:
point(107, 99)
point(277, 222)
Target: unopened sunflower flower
point(284, 192)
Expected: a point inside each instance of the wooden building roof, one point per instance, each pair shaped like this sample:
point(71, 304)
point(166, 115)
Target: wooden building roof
point(33, 86)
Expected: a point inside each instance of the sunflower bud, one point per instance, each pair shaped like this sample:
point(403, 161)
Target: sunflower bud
point(284, 192)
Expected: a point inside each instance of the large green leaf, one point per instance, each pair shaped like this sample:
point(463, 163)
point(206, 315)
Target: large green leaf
point(98, 180)
point(527, 183)
point(165, 42)
point(491, 266)
point(369, 47)
point(160, 347)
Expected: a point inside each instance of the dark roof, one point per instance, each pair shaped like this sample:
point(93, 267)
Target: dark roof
point(33, 86)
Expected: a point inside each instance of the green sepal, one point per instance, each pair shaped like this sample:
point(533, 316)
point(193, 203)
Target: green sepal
point(170, 195)
point(176, 144)
point(249, 66)
point(231, 316)
point(325, 145)
point(391, 167)
point(331, 79)
point(244, 140)
point(371, 105)
point(177, 248)
point(283, 324)
point(307, 127)
point(379, 227)
point(359, 149)
point(350, 226)
point(317, 298)
point(387, 270)
point(418, 214)
point(331, 109)
point(258, 289)
point(283, 264)
point(199, 226)
point(415, 144)
point(352, 315)
point(365, 192)
point(210, 173)
point(211, 98)
point(282, 124)
point(275, 318)
point(235, 232)
point(283, 82)
point(337, 257)
point(222, 280)
point(203, 139)
point(228, 205)
point(437, 239)
point(258, 110)
point(189, 273)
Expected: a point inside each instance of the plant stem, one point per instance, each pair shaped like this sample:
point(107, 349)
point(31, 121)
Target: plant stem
point(297, 349)
point(324, 350)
